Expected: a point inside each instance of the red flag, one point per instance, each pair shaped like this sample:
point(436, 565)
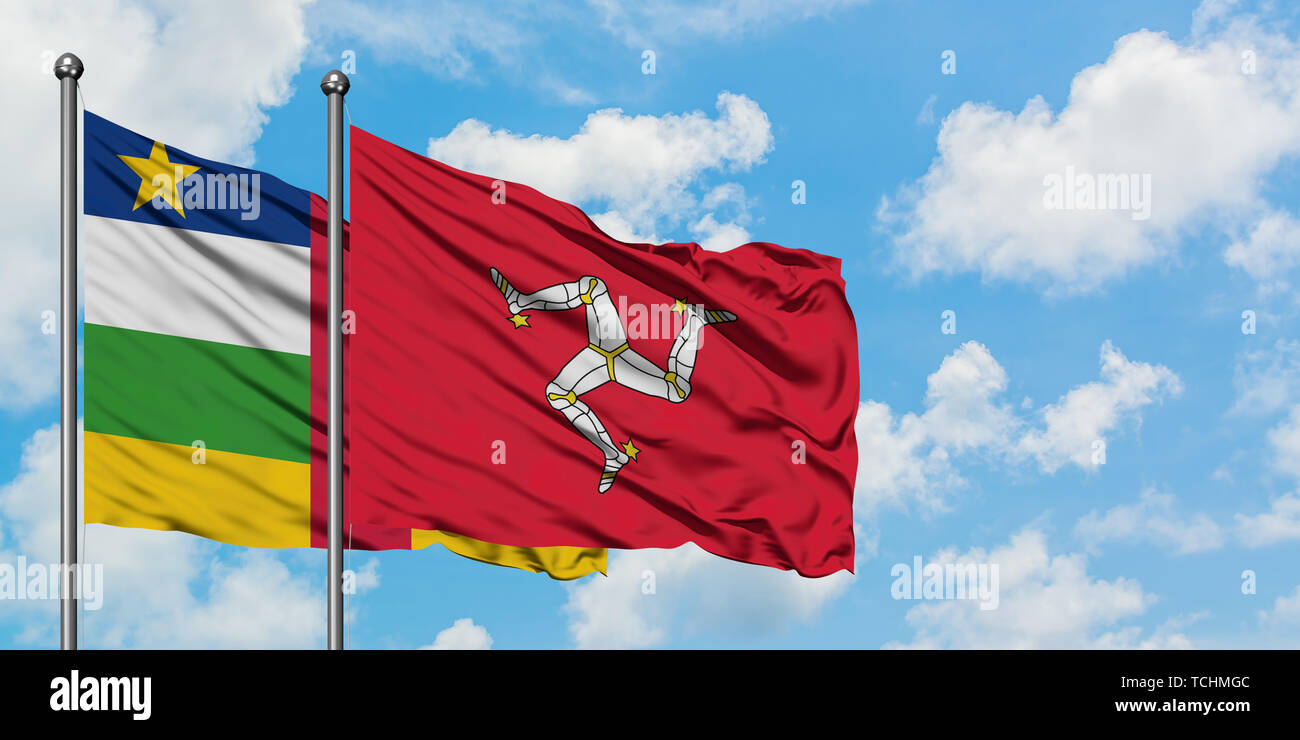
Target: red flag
point(356, 535)
point(590, 392)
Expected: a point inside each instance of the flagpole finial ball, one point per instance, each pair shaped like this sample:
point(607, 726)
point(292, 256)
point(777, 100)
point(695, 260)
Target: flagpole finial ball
point(335, 81)
point(68, 65)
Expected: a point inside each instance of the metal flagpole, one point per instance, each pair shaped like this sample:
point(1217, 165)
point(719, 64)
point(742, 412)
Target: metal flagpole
point(68, 69)
point(335, 85)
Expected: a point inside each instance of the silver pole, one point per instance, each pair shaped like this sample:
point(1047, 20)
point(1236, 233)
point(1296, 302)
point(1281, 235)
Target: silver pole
point(335, 85)
point(68, 69)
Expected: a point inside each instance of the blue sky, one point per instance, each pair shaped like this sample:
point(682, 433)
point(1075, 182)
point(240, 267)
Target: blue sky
point(1071, 326)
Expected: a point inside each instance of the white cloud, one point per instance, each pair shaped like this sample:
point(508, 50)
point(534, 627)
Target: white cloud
point(445, 37)
point(1284, 439)
point(1280, 523)
point(926, 116)
point(366, 578)
point(1168, 635)
point(451, 39)
point(566, 92)
point(254, 601)
point(1267, 381)
point(1285, 611)
point(671, 21)
point(693, 593)
point(463, 634)
point(644, 170)
point(466, 40)
point(911, 458)
point(1045, 602)
point(898, 463)
point(160, 589)
point(614, 224)
point(1151, 519)
point(1091, 411)
point(151, 67)
point(902, 461)
point(1153, 107)
point(1269, 252)
point(718, 237)
point(960, 410)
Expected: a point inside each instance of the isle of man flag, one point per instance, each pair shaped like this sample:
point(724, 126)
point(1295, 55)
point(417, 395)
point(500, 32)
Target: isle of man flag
point(205, 364)
point(519, 373)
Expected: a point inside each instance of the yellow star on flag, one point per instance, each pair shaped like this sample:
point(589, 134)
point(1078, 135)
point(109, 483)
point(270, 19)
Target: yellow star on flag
point(166, 173)
point(631, 449)
point(679, 305)
point(520, 320)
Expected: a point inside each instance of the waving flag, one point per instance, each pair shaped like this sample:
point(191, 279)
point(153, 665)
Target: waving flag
point(205, 363)
point(518, 374)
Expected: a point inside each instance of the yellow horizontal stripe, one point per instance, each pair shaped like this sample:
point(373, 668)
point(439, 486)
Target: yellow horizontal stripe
point(237, 499)
point(255, 501)
point(562, 563)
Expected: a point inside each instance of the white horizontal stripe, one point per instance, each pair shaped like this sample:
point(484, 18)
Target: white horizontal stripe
point(197, 284)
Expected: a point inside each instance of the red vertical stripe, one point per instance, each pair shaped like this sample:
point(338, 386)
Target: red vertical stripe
point(363, 536)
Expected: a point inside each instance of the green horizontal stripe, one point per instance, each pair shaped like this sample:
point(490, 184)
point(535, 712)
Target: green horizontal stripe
point(178, 390)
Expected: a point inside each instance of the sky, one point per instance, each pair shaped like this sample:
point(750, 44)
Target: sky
point(1110, 414)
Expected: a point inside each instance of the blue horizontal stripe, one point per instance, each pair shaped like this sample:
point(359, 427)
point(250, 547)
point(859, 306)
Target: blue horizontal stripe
point(282, 213)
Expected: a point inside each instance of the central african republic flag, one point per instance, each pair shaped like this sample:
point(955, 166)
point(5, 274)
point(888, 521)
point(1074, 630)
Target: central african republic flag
point(205, 357)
